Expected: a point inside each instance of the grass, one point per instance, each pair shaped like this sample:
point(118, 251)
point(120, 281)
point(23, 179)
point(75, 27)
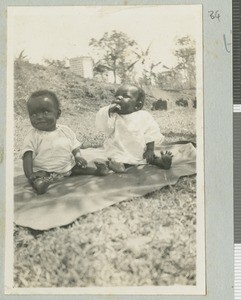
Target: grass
point(150, 240)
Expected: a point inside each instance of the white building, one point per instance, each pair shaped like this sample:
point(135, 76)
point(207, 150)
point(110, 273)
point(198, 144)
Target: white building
point(82, 66)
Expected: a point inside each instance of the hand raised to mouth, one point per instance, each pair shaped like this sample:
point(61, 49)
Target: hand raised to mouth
point(114, 107)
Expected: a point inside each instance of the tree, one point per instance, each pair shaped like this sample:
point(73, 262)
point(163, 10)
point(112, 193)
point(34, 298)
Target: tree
point(183, 75)
point(115, 50)
point(170, 80)
point(21, 56)
point(185, 54)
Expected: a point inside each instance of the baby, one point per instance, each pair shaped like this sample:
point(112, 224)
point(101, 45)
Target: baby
point(51, 151)
point(131, 133)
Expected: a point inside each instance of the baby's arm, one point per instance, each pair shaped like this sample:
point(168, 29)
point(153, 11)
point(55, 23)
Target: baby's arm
point(34, 177)
point(79, 160)
point(28, 167)
point(28, 163)
point(149, 153)
point(105, 121)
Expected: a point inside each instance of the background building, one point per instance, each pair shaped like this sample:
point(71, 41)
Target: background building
point(82, 66)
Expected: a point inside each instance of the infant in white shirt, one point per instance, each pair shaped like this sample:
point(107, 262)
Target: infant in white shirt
point(131, 133)
point(51, 151)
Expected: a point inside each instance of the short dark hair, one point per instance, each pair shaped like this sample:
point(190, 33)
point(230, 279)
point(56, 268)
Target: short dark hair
point(47, 93)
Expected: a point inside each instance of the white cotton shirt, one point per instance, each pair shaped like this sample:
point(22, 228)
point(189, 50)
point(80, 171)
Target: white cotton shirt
point(127, 135)
point(52, 150)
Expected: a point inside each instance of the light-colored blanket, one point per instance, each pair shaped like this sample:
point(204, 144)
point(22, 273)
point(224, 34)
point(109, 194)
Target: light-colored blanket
point(71, 197)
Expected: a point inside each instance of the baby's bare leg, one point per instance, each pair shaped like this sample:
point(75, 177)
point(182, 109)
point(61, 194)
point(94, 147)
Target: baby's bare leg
point(100, 170)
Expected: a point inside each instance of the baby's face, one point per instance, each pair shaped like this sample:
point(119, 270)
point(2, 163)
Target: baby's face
point(43, 113)
point(126, 99)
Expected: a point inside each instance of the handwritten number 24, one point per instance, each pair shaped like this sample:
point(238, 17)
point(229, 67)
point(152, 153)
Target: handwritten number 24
point(214, 14)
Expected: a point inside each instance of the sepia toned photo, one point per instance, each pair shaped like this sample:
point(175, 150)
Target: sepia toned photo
point(105, 170)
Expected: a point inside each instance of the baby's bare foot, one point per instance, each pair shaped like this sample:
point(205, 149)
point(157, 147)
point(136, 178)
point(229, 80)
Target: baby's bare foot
point(165, 161)
point(102, 168)
point(40, 186)
point(116, 166)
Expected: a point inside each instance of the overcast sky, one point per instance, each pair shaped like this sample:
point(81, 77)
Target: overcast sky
point(59, 32)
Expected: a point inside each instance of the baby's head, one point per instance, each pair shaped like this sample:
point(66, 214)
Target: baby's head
point(44, 110)
point(129, 98)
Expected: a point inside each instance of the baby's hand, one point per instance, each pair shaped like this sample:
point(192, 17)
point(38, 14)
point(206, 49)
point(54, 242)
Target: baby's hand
point(80, 161)
point(149, 155)
point(114, 107)
point(32, 177)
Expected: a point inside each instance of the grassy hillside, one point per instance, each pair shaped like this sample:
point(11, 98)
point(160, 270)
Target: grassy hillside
point(76, 94)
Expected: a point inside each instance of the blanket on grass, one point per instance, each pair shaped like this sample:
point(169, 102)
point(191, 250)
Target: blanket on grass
point(71, 197)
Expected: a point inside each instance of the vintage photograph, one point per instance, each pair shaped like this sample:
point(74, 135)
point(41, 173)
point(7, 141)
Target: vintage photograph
point(106, 150)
